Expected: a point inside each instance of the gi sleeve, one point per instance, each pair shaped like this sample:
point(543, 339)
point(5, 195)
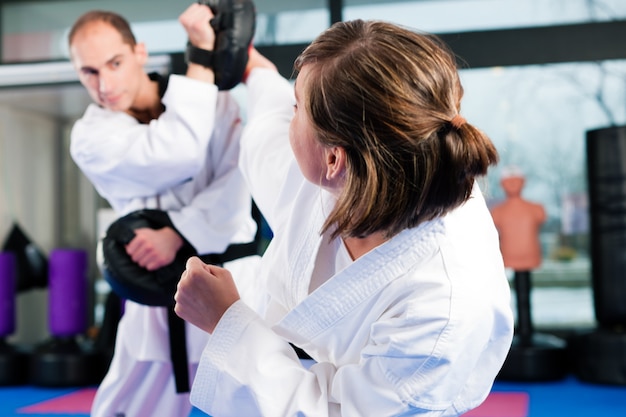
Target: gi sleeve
point(267, 161)
point(218, 382)
point(126, 159)
point(220, 213)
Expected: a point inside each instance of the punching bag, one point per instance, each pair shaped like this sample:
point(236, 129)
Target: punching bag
point(599, 355)
point(8, 274)
point(67, 295)
point(31, 263)
point(62, 360)
point(13, 361)
point(606, 173)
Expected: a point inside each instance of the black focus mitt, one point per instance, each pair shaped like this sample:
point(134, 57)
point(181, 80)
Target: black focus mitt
point(128, 279)
point(234, 25)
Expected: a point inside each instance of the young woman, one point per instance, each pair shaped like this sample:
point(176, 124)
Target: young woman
point(385, 265)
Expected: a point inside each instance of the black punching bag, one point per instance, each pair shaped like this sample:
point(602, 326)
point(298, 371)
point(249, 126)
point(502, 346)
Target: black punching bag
point(600, 355)
point(606, 173)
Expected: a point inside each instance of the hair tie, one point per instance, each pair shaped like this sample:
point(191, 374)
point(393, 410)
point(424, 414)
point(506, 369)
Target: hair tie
point(457, 121)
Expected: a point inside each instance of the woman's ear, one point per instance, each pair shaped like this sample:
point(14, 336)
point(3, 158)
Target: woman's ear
point(335, 163)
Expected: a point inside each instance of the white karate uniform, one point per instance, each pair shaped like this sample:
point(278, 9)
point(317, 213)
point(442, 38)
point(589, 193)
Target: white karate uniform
point(184, 162)
point(418, 326)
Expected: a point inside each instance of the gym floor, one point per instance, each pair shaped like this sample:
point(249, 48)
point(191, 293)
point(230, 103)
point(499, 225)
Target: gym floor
point(568, 397)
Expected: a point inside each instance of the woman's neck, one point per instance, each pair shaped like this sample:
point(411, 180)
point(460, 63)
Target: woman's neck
point(358, 247)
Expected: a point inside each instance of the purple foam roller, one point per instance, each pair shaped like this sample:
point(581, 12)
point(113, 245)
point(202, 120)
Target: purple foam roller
point(8, 276)
point(67, 284)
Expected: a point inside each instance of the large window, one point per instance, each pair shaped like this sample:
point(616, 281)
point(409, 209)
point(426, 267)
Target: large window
point(37, 30)
point(538, 117)
point(445, 16)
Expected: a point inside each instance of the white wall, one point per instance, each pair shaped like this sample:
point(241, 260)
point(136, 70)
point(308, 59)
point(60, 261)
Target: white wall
point(46, 195)
point(27, 169)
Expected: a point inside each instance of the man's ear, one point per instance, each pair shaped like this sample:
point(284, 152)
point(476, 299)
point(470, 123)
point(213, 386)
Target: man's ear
point(335, 163)
point(141, 52)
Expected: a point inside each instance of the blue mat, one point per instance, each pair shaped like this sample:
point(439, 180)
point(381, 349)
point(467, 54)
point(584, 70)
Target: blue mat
point(569, 397)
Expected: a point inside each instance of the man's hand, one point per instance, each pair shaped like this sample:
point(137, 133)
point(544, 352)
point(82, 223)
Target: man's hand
point(153, 249)
point(204, 294)
point(196, 20)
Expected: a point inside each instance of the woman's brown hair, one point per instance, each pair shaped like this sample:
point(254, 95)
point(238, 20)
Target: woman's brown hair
point(391, 97)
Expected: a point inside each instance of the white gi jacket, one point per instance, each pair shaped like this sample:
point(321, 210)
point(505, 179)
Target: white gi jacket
point(184, 162)
point(418, 326)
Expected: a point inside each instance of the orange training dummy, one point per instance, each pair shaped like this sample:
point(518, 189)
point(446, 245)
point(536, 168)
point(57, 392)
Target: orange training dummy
point(533, 356)
point(518, 221)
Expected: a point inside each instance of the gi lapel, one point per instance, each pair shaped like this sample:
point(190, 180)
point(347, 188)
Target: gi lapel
point(344, 292)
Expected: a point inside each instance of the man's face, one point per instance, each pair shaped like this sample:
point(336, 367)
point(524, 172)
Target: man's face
point(110, 69)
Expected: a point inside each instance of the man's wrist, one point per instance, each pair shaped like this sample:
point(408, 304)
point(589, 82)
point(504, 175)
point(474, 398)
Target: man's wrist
point(199, 56)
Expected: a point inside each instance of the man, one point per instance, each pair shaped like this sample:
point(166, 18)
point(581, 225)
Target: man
point(166, 143)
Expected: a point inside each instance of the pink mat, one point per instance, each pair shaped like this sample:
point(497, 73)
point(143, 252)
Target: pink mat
point(502, 404)
point(78, 402)
point(497, 404)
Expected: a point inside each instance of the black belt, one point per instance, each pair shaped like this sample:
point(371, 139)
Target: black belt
point(177, 337)
point(232, 252)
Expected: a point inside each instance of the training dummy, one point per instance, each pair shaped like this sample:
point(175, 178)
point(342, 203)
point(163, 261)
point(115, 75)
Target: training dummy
point(384, 266)
point(518, 221)
point(533, 356)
